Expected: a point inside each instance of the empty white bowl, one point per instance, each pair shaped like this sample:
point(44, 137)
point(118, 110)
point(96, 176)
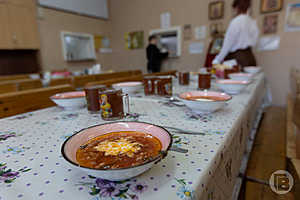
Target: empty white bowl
point(232, 86)
point(252, 69)
point(241, 76)
point(129, 87)
point(71, 145)
point(201, 103)
point(69, 100)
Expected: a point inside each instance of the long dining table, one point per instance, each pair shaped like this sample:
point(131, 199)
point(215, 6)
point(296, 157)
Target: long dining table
point(32, 167)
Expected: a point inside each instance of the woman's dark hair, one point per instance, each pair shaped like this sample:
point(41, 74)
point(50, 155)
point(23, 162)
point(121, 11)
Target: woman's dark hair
point(241, 5)
point(151, 37)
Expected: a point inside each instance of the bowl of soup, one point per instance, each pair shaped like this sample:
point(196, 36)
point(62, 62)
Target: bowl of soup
point(241, 76)
point(204, 101)
point(232, 86)
point(252, 69)
point(117, 151)
point(69, 100)
point(129, 87)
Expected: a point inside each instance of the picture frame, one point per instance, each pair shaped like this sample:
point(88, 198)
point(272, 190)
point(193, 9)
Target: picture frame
point(269, 6)
point(292, 19)
point(270, 24)
point(216, 10)
point(134, 40)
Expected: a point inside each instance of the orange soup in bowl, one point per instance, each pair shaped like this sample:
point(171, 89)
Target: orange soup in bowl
point(204, 98)
point(118, 150)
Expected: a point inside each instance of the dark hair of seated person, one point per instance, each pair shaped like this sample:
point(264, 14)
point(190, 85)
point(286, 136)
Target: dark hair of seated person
point(241, 5)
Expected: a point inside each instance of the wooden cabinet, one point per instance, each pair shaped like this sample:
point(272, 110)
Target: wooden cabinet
point(19, 17)
point(27, 3)
point(5, 36)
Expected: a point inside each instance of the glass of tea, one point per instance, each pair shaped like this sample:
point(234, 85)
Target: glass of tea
point(184, 78)
point(204, 80)
point(164, 86)
point(150, 85)
point(92, 97)
point(113, 103)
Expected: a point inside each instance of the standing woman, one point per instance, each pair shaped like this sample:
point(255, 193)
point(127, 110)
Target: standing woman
point(241, 35)
point(154, 56)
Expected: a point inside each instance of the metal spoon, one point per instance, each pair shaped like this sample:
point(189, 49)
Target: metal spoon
point(179, 150)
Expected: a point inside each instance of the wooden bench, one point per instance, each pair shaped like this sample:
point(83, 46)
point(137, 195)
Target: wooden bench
point(29, 100)
point(293, 129)
point(61, 81)
point(29, 84)
point(117, 80)
point(19, 85)
point(171, 73)
point(114, 75)
point(6, 87)
point(268, 155)
point(14, 77)
point(81, 81)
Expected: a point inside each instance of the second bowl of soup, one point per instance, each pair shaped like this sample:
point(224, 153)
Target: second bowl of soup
point(204, 101)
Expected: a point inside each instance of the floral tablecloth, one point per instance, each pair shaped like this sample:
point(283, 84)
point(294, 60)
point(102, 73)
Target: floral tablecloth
point(31, 165)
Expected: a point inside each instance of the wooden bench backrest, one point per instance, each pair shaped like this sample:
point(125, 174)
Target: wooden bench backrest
point(81, 81)
point(29, 84)
point(117, 80)
point(19, 85)
point(61, 81)
point(296, 122)
point(107, 76)
point(295, 82)
point(8, 87)
point(29, 100)
point(172, 73)
point(14, 77)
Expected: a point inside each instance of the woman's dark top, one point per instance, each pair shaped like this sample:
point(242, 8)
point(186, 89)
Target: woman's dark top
point(155, 58)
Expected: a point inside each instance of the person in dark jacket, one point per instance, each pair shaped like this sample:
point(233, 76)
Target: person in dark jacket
point(154, 56)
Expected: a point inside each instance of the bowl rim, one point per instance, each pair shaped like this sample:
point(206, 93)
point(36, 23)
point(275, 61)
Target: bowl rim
point(138, 83)
point(230, 97)
point(53, 96)
point(241, 74)
point(234, 82)
point(156, 159)
point(252, 67)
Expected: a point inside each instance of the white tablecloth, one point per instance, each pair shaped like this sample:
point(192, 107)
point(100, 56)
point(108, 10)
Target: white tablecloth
point(32, 166)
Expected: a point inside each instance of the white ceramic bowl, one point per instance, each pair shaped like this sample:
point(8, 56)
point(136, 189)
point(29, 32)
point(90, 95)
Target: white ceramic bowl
point(129, 87)
point(232, 86)
point(252, 69)
point(71, 145)
point(69, 100)
point(194, 76)
point(203, 105)
point(241, 76)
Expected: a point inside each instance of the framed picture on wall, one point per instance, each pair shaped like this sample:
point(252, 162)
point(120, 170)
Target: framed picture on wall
point(134, 40)
point(268, 6)
point(292, 22)
point(216, 10)
point(270, 24)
